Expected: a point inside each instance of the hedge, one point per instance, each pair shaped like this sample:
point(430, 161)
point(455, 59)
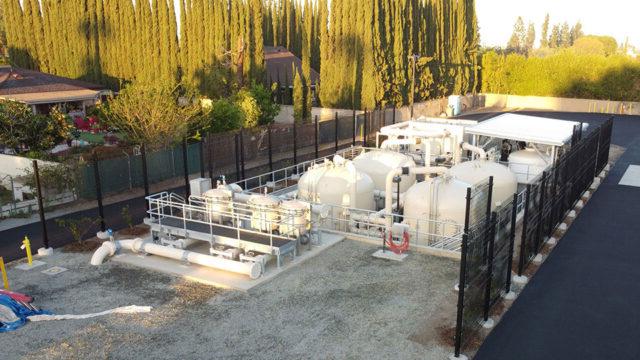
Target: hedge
point(563, 74)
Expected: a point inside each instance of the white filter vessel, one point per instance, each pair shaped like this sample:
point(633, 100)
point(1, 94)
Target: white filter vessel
point(441, 200)
point(218, 201)
point(294, 218)
point(337, 184)
point(264, 212)
point(527, 164)
point(474, 172)
point(377, 164)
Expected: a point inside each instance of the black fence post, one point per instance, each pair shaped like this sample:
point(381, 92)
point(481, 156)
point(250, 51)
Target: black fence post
point(295, 144)
point(316, 136)
point(201, 148)
point(145, 174)
point(393, 118)
point(185, 166)
point(96, 174)
point(355, 126)
point(210, 157)
point(335, 131)
point(270, 151)
point(543, 190)
point(523, 238)
point(237, 153)
point(364, 131)
point(487, 290)
point(512, 238)
point(461, 288)
point(242, 153)
point(43, 221)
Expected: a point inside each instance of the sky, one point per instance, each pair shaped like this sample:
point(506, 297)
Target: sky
point(618, 18)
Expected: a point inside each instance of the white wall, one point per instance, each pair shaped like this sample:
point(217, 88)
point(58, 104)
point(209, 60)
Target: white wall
point(562, 104)
point(14, 165)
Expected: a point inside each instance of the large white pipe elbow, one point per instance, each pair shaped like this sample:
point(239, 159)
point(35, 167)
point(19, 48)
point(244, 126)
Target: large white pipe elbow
point(252, 269)
point(475, 149)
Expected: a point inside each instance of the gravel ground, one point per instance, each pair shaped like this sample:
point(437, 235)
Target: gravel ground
point(341, 304)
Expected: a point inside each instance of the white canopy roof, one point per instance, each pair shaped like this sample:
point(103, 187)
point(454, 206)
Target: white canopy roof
point(526, 128)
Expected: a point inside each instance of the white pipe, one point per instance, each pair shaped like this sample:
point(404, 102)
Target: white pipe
point(254, 270)
point(475, 149)
point(388, 189)
point(394, 142)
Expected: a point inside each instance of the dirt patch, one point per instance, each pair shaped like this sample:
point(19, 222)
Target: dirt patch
point(447, 335)
point(83, 246)
point(137, 230)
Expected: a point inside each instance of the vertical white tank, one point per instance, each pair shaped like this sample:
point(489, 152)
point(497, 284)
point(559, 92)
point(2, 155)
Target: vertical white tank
point(294, 218)
point(474, 172)
point(377, 164)
point(218, 201)
point(264, 212)
point(527, 164)
point(441, 199)
point(337, 184)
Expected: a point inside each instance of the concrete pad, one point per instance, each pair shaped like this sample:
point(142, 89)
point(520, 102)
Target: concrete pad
point(34, 264)
point(389, 255)
point(55, 270)
point(221, 278)
point(631, 176)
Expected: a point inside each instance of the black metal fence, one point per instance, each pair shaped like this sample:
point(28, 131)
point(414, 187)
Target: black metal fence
point(124, 174)
point(489, 239)
point(550, 197)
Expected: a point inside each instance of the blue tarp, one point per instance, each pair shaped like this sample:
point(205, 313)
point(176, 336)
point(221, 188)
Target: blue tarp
point(20, 313)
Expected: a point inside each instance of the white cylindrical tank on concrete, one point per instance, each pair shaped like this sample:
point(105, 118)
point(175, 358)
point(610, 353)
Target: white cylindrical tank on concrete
point(527, 164)
point(377, 165)
point(473, 172)
point(218, 201)
point(441, 199)
point(264, 212)
point(294, 217)
point(337, 184)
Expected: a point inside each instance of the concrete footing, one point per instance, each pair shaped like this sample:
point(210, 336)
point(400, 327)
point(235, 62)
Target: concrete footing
point(45, 251)
point(538, 259)
point(489, 324)
point(511, 295)
point(563, 227)
point(520, 280)
point(572, 214)
point(552, 241)
point(579, 204)
point(461, 357)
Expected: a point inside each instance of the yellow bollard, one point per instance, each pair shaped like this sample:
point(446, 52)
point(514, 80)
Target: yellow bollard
point(26, 245)
point(5, 280)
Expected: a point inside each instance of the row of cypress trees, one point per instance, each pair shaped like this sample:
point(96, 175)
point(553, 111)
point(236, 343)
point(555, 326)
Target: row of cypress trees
point(362, 48)
point(116, 41)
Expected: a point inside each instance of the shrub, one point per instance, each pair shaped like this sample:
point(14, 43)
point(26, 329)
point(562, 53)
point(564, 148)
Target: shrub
point(249, 106)
point(268, 108)
point(564, 74)
point(224, 115)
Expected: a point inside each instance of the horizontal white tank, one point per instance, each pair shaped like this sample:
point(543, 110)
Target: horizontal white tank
point(377, 164)
point(474, 172)
point(264, 212)
point(218, 201)
point(337, 184)
point(527, 164)
point(294, 217)
point(441, 199)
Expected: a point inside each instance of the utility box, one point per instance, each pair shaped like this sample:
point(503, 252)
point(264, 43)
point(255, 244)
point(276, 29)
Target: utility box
point(199, 186)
